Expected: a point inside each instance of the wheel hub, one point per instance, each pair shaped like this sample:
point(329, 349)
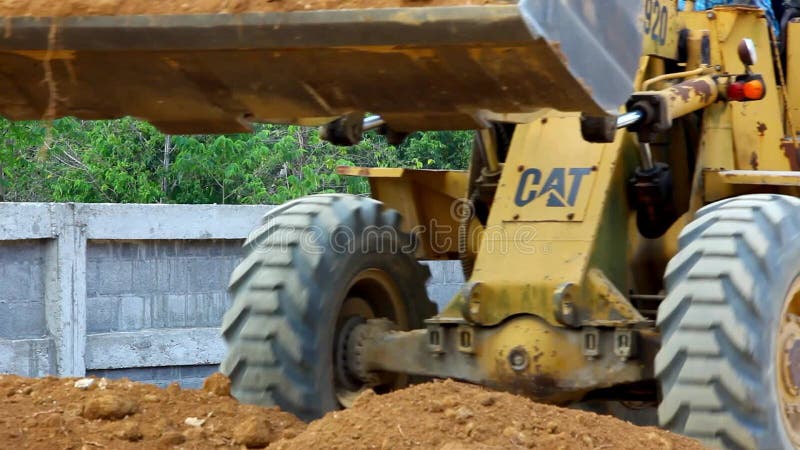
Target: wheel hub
point(788, 359)
point(792, 355)
point(344, 376)
point(371, 294)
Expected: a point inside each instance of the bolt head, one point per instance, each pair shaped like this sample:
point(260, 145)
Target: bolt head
point(518, 359)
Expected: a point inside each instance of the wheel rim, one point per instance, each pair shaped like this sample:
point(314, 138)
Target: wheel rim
point(788, 363)
point(371, 294)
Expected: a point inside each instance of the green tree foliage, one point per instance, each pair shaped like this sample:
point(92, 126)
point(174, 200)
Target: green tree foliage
point(129, 161)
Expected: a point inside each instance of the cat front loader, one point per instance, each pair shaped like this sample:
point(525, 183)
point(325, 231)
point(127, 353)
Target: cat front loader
point(629, 227)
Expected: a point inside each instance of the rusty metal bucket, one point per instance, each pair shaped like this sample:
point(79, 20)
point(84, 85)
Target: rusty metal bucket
point(421, 68)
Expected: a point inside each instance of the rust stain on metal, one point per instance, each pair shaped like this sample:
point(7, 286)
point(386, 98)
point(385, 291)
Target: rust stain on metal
point(761, 127)
point(754, 160)
point(682, 91)
point(700, 88)
point(689, 88)
point(791, 150)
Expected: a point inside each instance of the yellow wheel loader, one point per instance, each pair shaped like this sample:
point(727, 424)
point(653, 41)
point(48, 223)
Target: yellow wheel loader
point(629, 227)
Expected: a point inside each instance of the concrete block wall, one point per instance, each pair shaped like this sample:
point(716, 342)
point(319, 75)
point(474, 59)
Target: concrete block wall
point(136, 285)
point(22, 312)
point(133, 291)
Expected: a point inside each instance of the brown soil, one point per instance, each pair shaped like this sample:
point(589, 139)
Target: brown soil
point(62, 8)
point(53, 413)
point(450, 416)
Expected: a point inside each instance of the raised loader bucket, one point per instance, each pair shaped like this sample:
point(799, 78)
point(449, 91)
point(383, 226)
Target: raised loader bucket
point(421, 67)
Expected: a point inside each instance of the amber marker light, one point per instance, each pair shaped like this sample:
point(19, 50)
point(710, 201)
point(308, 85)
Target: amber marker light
point(754, 90)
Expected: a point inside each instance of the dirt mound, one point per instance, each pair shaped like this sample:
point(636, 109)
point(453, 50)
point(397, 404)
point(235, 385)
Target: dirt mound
point(90, 414)
point(62, 8)
point(449, 416)
point(64, 413)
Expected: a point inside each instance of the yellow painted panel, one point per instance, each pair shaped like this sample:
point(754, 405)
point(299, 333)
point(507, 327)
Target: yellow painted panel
point(793, 71)
point(553, 182)
point(757, 126)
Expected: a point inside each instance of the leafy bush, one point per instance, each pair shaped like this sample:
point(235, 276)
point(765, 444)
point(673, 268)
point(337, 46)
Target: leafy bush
point(129, 161)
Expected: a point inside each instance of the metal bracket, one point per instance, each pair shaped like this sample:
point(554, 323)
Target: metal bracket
point(466, 339)
point(436, 338)
point(624, 343)
point(591, 342)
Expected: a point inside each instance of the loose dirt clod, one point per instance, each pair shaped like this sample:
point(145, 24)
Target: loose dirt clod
point(255, 432)
point(455, 416)
point(218, 384)
point(109, 406)
point(51, 413)
point(129, 431)
point(63, 8)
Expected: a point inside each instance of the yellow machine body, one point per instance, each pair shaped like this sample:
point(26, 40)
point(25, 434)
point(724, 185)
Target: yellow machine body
point(561, 283)
point(559, 258)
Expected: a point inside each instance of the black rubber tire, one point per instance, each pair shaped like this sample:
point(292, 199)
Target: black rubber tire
point(725, 292)
point(288, 291)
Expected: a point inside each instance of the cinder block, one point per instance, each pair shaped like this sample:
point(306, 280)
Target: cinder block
point(202, 310)
point(99, 250)
point(144, 277)
point(178, 275)
point(161, 281)
point(27, 357)
point(22, 320)
point(206, 310)
point(150, 250)
point(16, 284)
point(131, 313)
point(227, 266)
point(102, 314)
point(92, 278)
point(177, 306)
point(114, 277)
point(167, 248)
point(205, 275)
point(27, 250)
point(128, 250)
point(170, 311)
point(215, 248)
point(233, 248)
point(222, 302)
point(21, 270)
